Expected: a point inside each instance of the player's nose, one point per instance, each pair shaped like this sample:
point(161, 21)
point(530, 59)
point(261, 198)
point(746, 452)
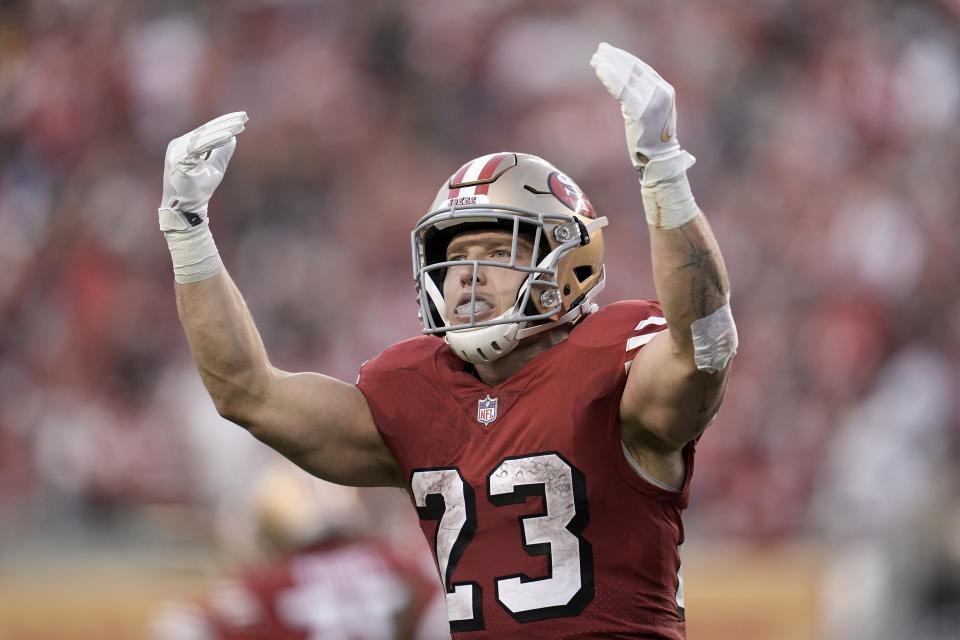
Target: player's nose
point(470, 271)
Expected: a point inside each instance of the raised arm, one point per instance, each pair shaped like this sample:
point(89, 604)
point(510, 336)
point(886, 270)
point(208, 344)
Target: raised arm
point(320, 423)
point(676, 383)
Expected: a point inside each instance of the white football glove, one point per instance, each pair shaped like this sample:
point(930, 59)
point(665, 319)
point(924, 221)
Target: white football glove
point(192, 171)
point(190, 176)
point(649, 107)
point(647, 101)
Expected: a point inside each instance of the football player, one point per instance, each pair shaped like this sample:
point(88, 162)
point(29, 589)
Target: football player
point(320, 576)
point(547, 445)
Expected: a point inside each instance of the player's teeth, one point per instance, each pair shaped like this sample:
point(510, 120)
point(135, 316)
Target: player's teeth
point(479, 307)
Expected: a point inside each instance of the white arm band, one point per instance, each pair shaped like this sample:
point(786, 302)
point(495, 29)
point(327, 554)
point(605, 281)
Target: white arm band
point(194, 253)
point(667, 199)
point(714, 340)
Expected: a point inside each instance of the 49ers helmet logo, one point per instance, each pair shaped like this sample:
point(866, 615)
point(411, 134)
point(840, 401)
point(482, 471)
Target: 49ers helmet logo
point(567, 192)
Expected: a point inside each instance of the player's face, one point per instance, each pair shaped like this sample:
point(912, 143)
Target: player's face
point(496, 286)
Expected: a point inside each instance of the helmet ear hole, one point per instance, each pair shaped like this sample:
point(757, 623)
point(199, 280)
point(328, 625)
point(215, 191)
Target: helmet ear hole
point(583, 272)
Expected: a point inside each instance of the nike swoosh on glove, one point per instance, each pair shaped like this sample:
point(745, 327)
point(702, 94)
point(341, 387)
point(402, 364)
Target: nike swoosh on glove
point(193, 169)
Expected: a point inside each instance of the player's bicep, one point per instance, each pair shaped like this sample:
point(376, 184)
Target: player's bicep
point(324, 425)
point(667, 400)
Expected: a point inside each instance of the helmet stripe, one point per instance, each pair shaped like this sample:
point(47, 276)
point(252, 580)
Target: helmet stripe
point(479, 169)
point(488, 170)
point(457, 178)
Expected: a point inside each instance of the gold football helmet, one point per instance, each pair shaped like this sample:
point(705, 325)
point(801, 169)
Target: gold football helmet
point(528, 196)
point(291, 508)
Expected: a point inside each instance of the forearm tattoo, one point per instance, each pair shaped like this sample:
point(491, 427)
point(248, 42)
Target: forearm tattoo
point(707, 291)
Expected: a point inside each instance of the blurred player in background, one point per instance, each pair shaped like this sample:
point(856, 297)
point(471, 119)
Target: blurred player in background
point(547, 445)
point(318, 576)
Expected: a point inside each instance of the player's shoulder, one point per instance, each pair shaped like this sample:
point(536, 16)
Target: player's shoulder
point(413, 353)
point(618, 322)
point(626, 311)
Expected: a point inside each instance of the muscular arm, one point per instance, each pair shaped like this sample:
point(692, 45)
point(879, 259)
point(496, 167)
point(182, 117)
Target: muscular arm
point(668, 401)
point(320, 423)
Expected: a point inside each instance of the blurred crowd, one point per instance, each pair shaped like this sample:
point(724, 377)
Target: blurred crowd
point(828, 161)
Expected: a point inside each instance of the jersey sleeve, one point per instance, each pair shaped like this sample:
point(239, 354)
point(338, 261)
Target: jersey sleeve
point(626, 326)
point(398, 385)
point(651, 322)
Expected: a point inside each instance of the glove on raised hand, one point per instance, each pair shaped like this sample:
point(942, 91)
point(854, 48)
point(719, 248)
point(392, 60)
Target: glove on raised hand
point(190, 176)
point(193, 169)
point(649, 107)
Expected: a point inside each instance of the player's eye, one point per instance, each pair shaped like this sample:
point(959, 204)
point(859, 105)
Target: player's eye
point(501, 254)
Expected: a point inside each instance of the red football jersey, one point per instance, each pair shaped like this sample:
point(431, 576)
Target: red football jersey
point(540, 526)
point(343, 589)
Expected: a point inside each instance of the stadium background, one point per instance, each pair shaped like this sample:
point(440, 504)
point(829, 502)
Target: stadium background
point(825, 503)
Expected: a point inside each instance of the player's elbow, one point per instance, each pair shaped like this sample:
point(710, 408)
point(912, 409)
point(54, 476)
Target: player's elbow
point(234, 409)
point(240, 399)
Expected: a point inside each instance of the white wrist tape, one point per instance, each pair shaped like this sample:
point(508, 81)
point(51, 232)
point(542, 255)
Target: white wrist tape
point(714, 340)
point(667, 199)
point(194, 253)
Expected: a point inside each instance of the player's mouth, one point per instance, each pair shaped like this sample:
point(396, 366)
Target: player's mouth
point(480, 308)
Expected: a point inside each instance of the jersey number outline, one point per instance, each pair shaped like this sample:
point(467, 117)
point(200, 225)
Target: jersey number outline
point(442, 494)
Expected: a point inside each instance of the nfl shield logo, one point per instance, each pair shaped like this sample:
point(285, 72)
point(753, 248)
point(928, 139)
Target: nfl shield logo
point(487, 410)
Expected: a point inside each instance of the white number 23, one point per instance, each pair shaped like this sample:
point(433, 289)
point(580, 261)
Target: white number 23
point(441, 494)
